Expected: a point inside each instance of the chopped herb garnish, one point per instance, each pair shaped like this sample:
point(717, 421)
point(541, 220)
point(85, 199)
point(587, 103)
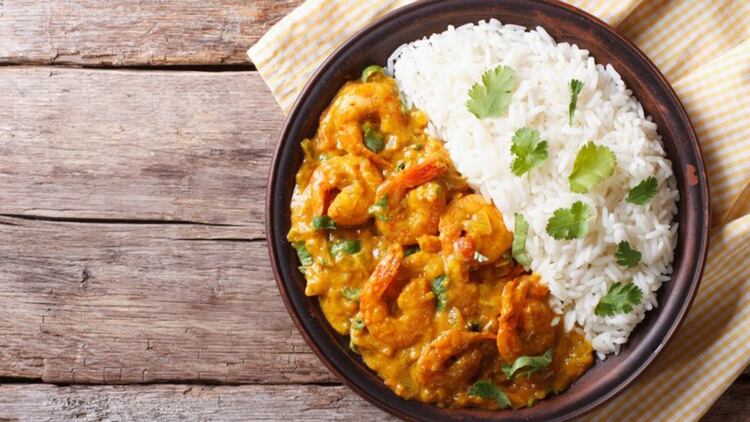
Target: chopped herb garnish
point(323, 222)
point(369, 71)
point(643, 192)
point(518, 247)
point(569, 223)
point(478, 257)
point(620, 299)
point(440, 290)
point(492, 96)
point(303, 254)
point(400, 166)
point(411, 250)
point(345, 247)
point(489, 391)
point(474, 326)
point(373, 139)
point(530, 364)
point(593, 164)
point(575, 89)
point(357, 324)
point(417, 147)
point(350, 293)
point(380, 209)
point(528, 150)
point(627, 256)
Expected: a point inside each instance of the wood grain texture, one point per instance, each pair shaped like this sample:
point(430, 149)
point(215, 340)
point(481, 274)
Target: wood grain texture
point(135, 303)
point(38, 402)
point(134, 32)
point(175, 146)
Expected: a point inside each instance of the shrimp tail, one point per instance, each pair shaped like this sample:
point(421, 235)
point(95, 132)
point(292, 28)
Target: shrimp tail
point(380, 279)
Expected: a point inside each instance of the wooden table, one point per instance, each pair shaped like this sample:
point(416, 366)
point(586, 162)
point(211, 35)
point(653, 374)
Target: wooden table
point(135, 139)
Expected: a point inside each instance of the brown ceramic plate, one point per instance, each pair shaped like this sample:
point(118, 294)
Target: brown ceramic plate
point(374, 44)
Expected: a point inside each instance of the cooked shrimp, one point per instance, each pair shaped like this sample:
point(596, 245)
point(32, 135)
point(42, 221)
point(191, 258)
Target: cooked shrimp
point(416, 303)
point(343, 188)
point(525, 322)
point(453, 358)
point(414, 203)
point(471, 225)
point(376, 101)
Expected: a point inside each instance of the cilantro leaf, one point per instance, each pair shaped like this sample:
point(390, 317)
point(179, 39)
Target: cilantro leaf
point(518, 247)
point(357, 323)
point(369, 71)
point(593, 164)
point(439, 288)
point(345, 246)
point(643, 192)
point(492, 96)
point(303, 254)
point(321, 222)
point(379, 209)
point(529, 151)
point(373, 139)
point(533, 363)
point(620, 299)
point(575, 89)
point(627, 256)
point(489, 391)
point(350, 293)
point(411, 250)
point(569, 223)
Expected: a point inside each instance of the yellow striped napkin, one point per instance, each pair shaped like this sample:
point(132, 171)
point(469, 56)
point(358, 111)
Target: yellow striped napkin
point(703, 48)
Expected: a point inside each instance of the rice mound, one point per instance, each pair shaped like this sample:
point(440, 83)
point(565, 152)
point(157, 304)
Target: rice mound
point(435, 75)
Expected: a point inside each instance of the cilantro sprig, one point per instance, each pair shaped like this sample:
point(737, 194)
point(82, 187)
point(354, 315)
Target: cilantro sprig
point(373, 139)
point(492, 96)
point(529, 151)
point(627, 256)
point(351, 293)
point(323, 222)
point(369, 71)
point(643, 192)
point(575, 89)
point(533, 364)
point(342, 247)
point(380, 209)
point(411, 250)
point(305, 258)
point(518, 247)
point(592, 165)
point(569, 223)
point(439, 287)
point(488, 391)
point(620, 299)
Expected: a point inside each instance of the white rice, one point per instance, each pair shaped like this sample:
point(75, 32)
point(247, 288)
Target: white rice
point(435, 75)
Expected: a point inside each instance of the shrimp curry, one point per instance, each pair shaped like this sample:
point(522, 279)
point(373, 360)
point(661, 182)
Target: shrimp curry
point(415, 267)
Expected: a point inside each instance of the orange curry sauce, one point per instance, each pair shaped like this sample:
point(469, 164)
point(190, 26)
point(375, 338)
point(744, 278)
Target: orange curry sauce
point(415, 267)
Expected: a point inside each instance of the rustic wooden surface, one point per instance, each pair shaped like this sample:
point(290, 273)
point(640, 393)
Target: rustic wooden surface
point(134, 32)
point(132, 245)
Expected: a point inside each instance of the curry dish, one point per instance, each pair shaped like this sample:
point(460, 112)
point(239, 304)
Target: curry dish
point(415, 267)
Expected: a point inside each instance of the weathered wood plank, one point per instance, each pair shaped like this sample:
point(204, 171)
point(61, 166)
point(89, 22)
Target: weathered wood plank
point(39, 402)
point(131, 303)
point(134, 32)
point(190, 146)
